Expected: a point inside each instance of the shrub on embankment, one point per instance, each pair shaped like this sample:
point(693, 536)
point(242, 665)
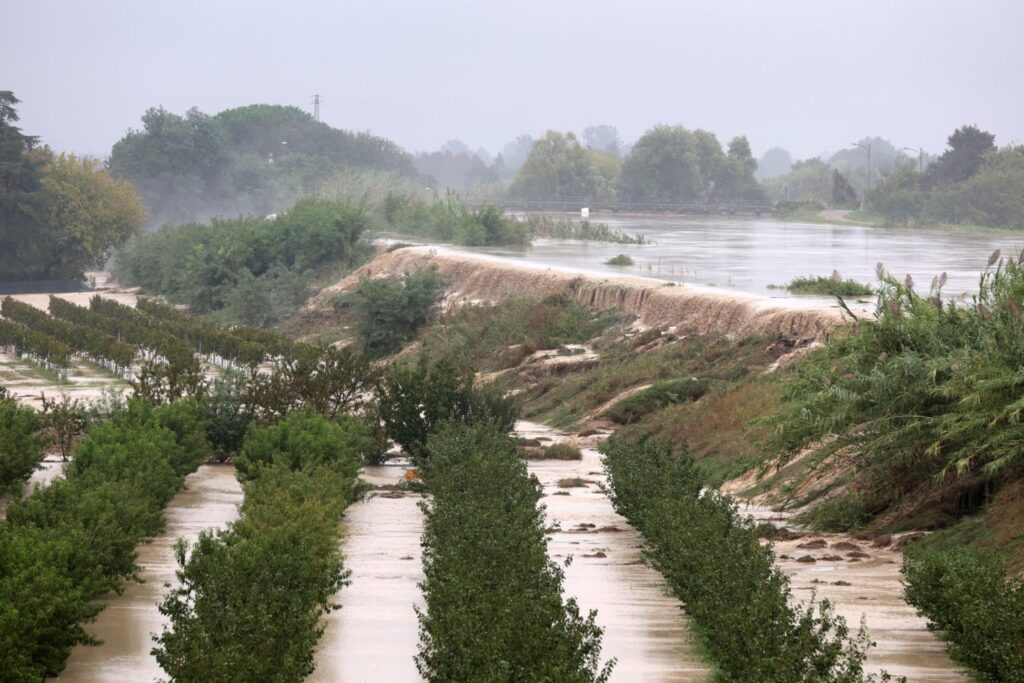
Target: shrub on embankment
point(251, 598)
point(75, 540)
point(967, 596)
point(714, 561)
point(923, 399)
point(495, 610)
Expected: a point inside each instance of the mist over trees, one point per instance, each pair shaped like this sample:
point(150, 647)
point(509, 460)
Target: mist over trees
point(774, 162)
point(249, 160)
point(59, 215)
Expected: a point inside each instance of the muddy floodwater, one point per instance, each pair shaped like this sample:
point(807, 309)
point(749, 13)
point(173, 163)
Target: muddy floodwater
point(644, 626)
point(374, 636)
point(749, 254)
point(863, 582)
point(127, 625)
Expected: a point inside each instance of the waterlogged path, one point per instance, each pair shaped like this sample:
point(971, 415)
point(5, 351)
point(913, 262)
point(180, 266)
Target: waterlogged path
point(126, 626)
point(864, 582)
point(749, 254)
point(374, 636)
point(644, 626)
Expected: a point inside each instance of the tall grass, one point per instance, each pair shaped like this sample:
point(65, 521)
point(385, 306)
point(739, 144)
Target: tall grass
point(567, 229)
point(926, 396)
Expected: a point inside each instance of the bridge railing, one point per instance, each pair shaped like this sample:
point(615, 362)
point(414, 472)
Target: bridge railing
point(623, 206)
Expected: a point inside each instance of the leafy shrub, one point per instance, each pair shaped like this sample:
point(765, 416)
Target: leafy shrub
point(620, 260)
point(303, 440)
point(966, 595)
point(828, 286)
point(390, 312)
point(715, 563)
point(413, 402)
point(566, 229)
point(925, 394)
point(494, 599)
point(657, 396)
point(560, 451)
point(20, 448)
point(450, 220)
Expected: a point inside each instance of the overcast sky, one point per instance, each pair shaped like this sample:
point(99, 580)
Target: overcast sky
point(807, 75)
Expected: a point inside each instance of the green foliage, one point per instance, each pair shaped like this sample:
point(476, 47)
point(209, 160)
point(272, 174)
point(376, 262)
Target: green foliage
point(65, 420)
point(620, 260)
point(559, 167)
point(807, 181)
point(390, 312)
point(250, 160)
point(20, 448)
point(255, 269)
point(967, 596)
point(834, 285)
point(251, 598)
point(924, 396)
point(494, 607)
point(559, 451)
point(74, 540)
point(305, 440)
point(585, 230)
point(655, 397)
point(414, 401)
point(21, 197)
point(37, 345)
point(451, 220)
point(715, 563)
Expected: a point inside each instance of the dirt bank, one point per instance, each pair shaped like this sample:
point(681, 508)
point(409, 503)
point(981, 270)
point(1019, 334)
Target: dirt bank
point(656, 303)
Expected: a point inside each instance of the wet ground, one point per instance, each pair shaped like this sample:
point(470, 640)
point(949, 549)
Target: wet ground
point(644, 626)
point(864, 582)
point(374, 636)
point(130, 620)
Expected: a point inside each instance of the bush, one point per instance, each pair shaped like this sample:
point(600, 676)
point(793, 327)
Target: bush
point(494, 599)
point(559, 451)
point(450, 220)
point(828, 286)
point(925, 396)
point(303, 440)
point(715, 563)
point(20, 449)
point(413, 402)
point(390, 313)
point(620, 260)
point(655, 397)
point(967, 596)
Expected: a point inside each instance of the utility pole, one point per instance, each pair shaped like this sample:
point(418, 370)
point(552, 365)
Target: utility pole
point(868, 148)
point(316, 107)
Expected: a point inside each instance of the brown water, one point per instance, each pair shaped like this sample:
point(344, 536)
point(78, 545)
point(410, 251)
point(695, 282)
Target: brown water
point(644, 626)
point(868, 587)
point(749, 254)
point(374, 636)
point(127, 625)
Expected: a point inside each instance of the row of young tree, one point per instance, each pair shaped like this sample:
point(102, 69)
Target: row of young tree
point(60, 215)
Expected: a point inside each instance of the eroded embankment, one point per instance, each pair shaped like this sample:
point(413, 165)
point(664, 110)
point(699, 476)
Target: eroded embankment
point(654, 303)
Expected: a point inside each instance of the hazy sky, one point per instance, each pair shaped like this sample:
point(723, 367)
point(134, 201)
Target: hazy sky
point(808, 75)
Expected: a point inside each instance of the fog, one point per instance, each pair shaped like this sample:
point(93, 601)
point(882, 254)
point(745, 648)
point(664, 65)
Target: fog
point(808, 76)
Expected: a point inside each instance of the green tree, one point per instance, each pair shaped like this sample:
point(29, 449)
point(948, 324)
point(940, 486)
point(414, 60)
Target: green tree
point(305, 440)
point(664, 164)
point(20, 195)
point(20, 449)
point(968, 146)
point(558, 167)
point(843, 194)
point(390, 312)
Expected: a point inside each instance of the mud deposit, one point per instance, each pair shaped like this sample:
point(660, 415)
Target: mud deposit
point(644, 627)
point(374, 636)
point(127, 625)
point(863, 581)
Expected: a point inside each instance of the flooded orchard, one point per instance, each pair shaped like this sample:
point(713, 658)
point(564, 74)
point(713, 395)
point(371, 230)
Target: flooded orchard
point(128, 623)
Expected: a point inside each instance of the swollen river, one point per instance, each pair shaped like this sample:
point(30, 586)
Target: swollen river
point(749, 254)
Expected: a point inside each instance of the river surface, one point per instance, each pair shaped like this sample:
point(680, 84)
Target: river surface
point(375, 634)
point(127, 625)
point(749, 254)
point(644, 625)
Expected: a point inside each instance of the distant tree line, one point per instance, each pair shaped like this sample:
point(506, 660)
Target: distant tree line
point(256, 159)
point(60, 215)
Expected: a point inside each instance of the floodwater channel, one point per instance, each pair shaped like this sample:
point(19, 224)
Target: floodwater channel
point(375, 634)
point(644, 626)
point(210, 499)
point(748, 254)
